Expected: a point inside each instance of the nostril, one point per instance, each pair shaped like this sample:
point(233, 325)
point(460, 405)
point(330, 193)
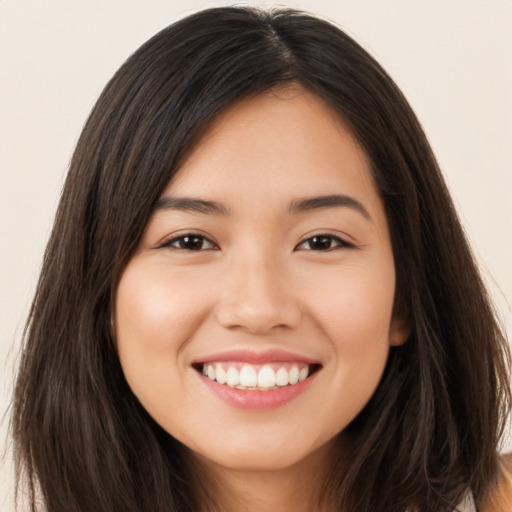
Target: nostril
point(255, 318)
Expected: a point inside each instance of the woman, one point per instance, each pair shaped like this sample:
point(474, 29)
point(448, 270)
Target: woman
point(257, 294)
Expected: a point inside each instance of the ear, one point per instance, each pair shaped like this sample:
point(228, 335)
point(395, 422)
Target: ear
point(112, 326)
point(399, 331)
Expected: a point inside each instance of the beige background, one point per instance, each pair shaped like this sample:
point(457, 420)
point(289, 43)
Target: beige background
point(452, 58)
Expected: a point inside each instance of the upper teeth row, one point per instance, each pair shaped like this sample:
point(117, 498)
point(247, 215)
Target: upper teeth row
point(248, 377)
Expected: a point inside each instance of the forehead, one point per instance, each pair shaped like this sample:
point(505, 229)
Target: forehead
point(281, 144)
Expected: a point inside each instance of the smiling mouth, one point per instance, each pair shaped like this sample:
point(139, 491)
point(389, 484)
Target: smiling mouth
point(261, 377)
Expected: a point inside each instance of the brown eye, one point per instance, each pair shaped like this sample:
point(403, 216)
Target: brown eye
point(322, 243)
point(190, 242)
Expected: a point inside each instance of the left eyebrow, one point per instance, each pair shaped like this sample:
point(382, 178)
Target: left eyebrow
point(191, 204)
point(329, 201)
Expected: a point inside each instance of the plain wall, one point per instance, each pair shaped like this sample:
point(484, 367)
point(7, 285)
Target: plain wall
point(452, 59)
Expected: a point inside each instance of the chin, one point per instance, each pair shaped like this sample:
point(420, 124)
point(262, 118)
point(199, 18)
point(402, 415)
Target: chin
point(272, 455)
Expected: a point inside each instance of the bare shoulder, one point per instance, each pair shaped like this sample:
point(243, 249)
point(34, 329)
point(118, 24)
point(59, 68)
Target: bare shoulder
point(500, 498)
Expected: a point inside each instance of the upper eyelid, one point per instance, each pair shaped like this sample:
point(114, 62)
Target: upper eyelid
point(342, 237)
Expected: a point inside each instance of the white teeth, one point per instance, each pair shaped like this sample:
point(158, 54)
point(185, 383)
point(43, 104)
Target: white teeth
point(266, 377)
point(248, 378)
point(282, 377)
point(293, 375)
point(220, 375)
point(232, 377)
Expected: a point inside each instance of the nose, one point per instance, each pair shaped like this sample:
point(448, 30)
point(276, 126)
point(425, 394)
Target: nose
point(258, 298)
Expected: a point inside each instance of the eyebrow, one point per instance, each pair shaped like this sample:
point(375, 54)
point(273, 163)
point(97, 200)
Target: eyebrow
point(190, 204)
point(329, 201)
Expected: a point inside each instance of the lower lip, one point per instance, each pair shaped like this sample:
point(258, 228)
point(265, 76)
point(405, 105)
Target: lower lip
point(253, 399)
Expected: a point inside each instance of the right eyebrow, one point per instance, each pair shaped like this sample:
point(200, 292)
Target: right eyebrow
point(190, 204)
point(328, 201)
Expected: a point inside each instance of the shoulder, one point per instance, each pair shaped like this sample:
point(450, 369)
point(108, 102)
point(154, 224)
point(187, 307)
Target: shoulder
point(500, 497)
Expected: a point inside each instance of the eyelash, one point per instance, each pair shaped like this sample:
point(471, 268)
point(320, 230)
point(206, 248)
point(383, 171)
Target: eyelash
point(195, 238)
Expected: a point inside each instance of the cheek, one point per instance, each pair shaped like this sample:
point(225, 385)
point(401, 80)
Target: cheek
point(155, 310)
point(353, 309)
point(156, 314)
point(354, 306)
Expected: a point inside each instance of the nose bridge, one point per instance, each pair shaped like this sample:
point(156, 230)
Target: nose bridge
point(257, 297)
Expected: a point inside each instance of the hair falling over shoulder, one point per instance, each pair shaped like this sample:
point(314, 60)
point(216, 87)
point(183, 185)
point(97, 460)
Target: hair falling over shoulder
point(431, 432)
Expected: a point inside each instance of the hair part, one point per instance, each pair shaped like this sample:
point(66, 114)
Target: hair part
point(80, 433)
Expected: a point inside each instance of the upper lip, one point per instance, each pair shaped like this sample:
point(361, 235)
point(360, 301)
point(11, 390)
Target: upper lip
point(256, 357)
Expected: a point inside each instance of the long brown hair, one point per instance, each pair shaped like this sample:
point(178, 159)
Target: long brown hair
point(430, 432)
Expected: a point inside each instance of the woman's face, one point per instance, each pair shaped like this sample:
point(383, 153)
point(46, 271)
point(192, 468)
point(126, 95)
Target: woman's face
point(267, 266)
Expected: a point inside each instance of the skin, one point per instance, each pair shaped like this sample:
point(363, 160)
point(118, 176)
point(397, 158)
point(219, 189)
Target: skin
point(263, 283)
